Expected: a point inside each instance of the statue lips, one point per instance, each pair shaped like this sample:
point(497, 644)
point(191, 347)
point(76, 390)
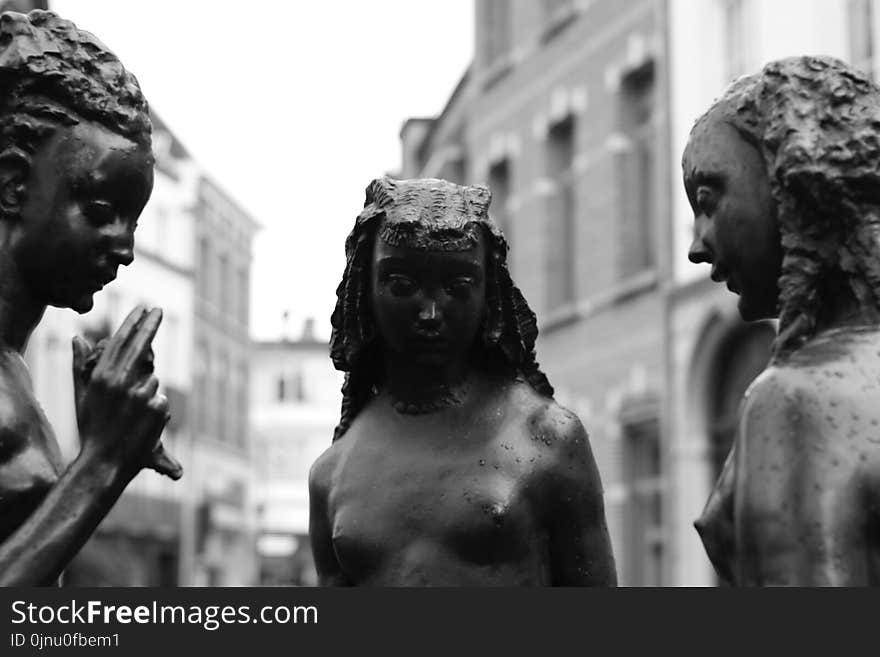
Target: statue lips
point(101, 277)
point(721, 275)
point(430, 342)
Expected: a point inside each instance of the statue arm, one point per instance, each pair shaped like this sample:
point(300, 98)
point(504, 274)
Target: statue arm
point(579, 544)
point(320, 533)
point(120, 419)
point(39, 550)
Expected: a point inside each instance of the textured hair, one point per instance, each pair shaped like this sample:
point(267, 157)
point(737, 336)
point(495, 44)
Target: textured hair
point(440, 215)
point(54, 74)
point(816, 123)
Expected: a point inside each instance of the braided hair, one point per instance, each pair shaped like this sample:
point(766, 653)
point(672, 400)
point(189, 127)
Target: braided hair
point(816, 122)
point(445, 215)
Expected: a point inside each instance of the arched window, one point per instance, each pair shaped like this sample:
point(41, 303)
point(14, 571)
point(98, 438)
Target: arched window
point(742, 356)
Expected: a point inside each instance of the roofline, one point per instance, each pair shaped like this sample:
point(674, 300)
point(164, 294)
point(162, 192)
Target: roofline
point(208, 179)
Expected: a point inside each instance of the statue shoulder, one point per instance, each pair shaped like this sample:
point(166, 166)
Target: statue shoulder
point(810, 391)
point(568, 458)
point(558, 424)
point(784, 388)
point(321, 472)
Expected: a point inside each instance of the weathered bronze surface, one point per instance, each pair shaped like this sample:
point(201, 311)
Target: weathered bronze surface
point(76, 170)
point(451, 464)
point(783, 174)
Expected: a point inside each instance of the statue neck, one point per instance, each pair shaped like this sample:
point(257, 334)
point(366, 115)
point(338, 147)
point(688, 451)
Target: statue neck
point(417, 388)
point(843, 309)
point(20, 311)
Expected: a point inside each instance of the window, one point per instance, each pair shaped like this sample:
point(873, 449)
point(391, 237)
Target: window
point(200, 383)
point(499, 183)
point(241, 404)
point(861, 37)
point(496, 30)
point(243, 296)
point(205, 269)
point(224, 291)
point(222, 403)
point(742, 355)
point(644, 481)
point(559, 257)
point(281, 388)
point(636, 173)
point(290, 387)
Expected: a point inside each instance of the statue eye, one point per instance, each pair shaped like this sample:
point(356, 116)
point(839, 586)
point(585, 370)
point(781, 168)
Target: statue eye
point(400, 285)
point(706, 200)
point(99, 213)
point(460, 288)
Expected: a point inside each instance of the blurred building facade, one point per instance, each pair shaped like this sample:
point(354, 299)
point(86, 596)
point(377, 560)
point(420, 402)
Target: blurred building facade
point(575, 113)
point(295, 399)
point(221, 548)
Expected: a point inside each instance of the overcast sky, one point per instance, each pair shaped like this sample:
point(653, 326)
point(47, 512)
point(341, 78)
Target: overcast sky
point(293, 107)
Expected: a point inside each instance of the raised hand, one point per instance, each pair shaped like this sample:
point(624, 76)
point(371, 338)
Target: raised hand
point(119, 413)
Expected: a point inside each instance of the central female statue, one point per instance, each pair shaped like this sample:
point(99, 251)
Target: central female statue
point(451, 465)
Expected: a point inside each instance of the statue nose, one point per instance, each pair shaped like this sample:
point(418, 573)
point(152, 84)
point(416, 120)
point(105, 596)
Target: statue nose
point(700, 249)
point(122, 243)
point(429, 313)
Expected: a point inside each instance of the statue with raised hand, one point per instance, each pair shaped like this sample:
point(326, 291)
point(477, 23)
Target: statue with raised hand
point(76, 170)
point(783, 174)
point(451, 465)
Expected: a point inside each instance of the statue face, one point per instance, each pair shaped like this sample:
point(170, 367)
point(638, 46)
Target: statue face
point(736, 228)
point(82, 196)
point(428, 305)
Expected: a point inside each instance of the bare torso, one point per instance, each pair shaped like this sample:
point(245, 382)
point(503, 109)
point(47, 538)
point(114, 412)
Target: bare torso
point(799, 503)
point(30, 460)
point(456, 497)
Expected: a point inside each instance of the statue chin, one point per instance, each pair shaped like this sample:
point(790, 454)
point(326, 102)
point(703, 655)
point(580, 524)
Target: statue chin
point(83, 305)
point(80, 305)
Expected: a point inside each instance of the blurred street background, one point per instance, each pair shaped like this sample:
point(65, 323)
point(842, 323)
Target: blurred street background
point(269, 121)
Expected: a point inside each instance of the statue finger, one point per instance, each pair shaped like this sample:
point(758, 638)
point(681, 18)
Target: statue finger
point(165, 464)
point(138, 348)
point(148, 388)
point(120, 338)
point(81, 351)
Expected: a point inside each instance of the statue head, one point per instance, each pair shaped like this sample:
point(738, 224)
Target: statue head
point(801, 143)
point(75, 158)
point(418, 235)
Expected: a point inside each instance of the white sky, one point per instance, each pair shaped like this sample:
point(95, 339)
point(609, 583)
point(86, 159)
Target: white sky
point(293, 107)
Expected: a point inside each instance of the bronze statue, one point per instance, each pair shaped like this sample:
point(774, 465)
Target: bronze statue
point(451, 463)
point(783, 174)
point(76, 169)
